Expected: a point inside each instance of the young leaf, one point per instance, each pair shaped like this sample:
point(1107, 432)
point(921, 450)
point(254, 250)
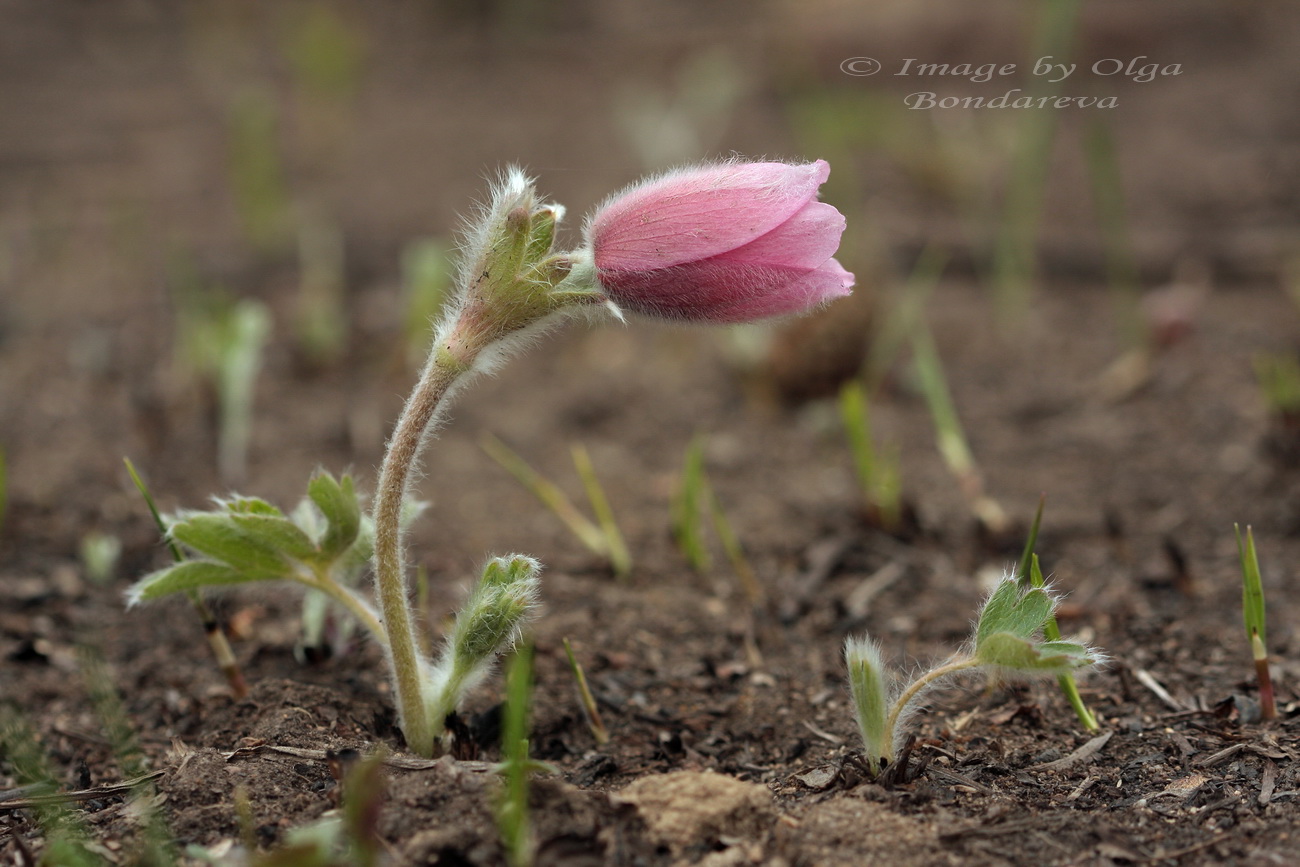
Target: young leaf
point(251, 506)
point(219, 537)
point(337, 500)
point(189, 575)
point(1009, 610)
point(277, 533)
point(1026, 656)
point(869, 687)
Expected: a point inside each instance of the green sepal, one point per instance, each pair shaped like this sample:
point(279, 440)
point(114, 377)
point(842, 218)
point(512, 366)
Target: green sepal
point(1009, 610)
point(541, 234)
point(189, 575)
point(337, 501)
point(1015, 653)
point(277, 533)
point(221, 538)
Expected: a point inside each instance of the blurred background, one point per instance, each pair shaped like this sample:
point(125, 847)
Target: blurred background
point(163, 162)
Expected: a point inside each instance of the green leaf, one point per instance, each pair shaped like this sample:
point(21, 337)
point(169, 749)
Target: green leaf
point(251, 506)
point(221, 538)
point(189, 575)
point(869, 687)
point(277, 533)
point(1252, 587)
point(1016, 653)
point(337, 501)
point(1011, 611)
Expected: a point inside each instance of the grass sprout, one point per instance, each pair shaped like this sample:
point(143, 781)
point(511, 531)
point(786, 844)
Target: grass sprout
point(687, 505)
point(602, 536)
point(512, 809)
point(222, 341)
point(1252, 605)
point(695, 506)
point(321, 318)
point(950, 436)
point(99, 554)
point(1278, 376)
point(1015, 257)
point(589, 708)
point(879, 473)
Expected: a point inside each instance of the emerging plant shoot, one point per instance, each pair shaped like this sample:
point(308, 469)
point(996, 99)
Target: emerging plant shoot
point(1008, 638)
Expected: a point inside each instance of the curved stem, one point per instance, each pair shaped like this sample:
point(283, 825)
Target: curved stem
point(917, 686)
point(439, 375)
point(355, 605)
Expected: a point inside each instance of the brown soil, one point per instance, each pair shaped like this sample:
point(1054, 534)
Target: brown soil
point(724, 750)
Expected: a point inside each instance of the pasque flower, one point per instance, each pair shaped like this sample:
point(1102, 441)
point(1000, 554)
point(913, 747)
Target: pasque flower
point(730, 242)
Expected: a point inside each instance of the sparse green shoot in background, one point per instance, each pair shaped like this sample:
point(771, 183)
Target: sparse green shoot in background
point(1015, 257)
point(99, 555)
point(257, 174)
point(326, 54)
point(212, 628)
point(687, 517)
point(321, 319)
point(601, 537)
point(589, 708)
point(1008, 637)
point(694, 503)
point(619, 556)
point(1278, 376)
point(1025, 566)
point(427, 284)
point(1252, 605)
point(949, 434)
point(512, 809)
point(221, 341)
point(1112, 216)
point(879, 473)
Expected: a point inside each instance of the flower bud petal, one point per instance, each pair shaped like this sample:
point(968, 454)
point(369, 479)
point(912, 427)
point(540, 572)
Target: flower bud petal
point(727, 243)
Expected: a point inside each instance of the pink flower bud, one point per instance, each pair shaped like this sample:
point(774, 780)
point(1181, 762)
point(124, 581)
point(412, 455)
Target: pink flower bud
point(721, 243)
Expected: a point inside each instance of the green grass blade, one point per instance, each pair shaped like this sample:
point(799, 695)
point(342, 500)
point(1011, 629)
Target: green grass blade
point(1026, 558)
point(512, 812)
point(619, 557)
point(1052, 631)
point(1253, 610)
point(1108, 201)
point(589, 707)
point(550, 495)
point(950, 436)
point(687, 505)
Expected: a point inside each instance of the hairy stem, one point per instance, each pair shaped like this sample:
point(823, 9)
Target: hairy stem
point(915, 688)
point(356, 606)
point(445, 367)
